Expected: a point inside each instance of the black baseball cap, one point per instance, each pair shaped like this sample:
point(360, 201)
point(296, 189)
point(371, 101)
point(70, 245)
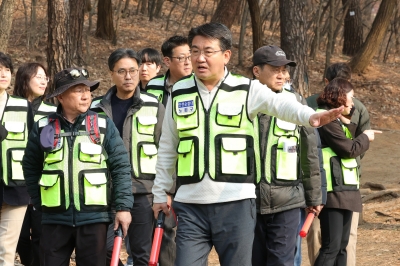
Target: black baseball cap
point(271, 55)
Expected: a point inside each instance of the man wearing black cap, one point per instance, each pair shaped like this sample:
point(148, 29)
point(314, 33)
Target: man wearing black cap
point(290, 177)
point(72, 159)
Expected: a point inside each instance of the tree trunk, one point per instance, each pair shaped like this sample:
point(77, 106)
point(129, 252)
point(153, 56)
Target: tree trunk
point(226, 12)
point(125, 11)
point(115, 38)
point(105, 27)
point(6, 18)
point(185, 14)
point(378, 30)
point(353, 28)
point(294, 41)
point(157, 12)
point(330, 35)
point(57, 43)
point(345, 8)
point(256, 24)
point(245, 15)
point(317, 30)
point(75, 21)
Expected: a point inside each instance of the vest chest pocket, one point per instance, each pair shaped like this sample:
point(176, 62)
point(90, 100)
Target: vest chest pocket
point(15, 166)
point(148, 158)
point(16, 130)
point(229, 115)
point(186, 160)
point(57, 154)
point(350, 172)
point(90, 152)
point(282, 128)
point(286, 158)
point(234, 156)
point(186, 113)
point(95, 188)
point(50, 189)
point(146, 125)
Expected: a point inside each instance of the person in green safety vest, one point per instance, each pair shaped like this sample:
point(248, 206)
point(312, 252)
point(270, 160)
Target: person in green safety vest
point(31, 83)
point(290, 178)
point(340, 147)
point(151, 65)
point(76, 166)
point(360, 117)
point(208, 140)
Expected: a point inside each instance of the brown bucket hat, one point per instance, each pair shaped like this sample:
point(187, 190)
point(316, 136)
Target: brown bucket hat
point(70, 77)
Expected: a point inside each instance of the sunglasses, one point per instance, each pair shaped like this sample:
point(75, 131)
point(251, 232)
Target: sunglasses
point(75, 74)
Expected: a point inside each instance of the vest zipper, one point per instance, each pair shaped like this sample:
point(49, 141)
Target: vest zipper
point(71, 179)
point(207, 144)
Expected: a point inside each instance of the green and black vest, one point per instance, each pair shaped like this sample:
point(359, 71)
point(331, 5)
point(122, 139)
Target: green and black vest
point(341, 174)
point(44, 109)
point(156, 87)
point(76, 175)
point(280, 161)
point(14, 119)
point(143, 147)
point(220, 141)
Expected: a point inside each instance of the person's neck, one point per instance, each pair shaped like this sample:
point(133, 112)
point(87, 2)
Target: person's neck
point(172, 79)
point(70, 117)
point(210, 84)
point(143, 84)
point(2, 91)
point(125, 96)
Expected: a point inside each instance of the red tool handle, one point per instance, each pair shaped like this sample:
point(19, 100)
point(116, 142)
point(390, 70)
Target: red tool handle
point(307, 224)
point(158, 233)
point(117, 246)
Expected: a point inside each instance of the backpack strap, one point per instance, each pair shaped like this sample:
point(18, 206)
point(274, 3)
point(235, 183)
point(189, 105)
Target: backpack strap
point(92, 127)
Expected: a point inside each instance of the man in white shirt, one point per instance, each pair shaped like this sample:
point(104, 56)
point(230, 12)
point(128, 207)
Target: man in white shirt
point(208, 137)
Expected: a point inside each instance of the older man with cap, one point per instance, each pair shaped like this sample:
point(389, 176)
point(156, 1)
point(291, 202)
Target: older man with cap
point(290, 173)
point(72, 159)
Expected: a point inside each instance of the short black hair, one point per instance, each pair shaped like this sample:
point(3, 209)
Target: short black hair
point(5, 60)
point(338, 70)
point(216, 31)
point(169, 45)
point(122, 53)
point(150, 55)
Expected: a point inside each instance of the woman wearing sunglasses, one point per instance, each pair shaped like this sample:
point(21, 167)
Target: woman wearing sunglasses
point(30, 83)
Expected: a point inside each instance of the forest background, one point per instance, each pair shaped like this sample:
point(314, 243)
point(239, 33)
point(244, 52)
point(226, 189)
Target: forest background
point(314, 33)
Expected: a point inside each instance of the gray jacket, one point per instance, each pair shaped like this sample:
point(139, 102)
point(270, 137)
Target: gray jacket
point(273, 198)
point(139, 186)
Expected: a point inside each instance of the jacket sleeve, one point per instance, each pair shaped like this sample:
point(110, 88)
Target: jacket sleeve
point(362, 119)
point(119, 167)
point(32, 165)
point(332, 135)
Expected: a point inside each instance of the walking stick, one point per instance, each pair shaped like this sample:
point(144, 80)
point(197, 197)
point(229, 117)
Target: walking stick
point(158, 233)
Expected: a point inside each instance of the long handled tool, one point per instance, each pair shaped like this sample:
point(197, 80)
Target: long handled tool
point(117, 246)
point(158, 233)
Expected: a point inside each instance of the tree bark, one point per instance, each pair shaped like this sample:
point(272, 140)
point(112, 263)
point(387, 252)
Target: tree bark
point(353, 28)
point(256, 24)
point(75, 21)
point(330, 35)
point(317, 30)
point(6, 18)
point(57, 43)
point(157, 12)
point(245, 15)
point(226, 12)
point(364, 56)
point(294, 41)
point(105, 27)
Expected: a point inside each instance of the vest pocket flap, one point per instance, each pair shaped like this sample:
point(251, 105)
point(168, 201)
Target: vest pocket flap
point(349, 163)
point(15, 127)
point(90, 148)
point(285, 125)
point(229, 109)
point(149, 149)
point(185, 146)
point(147, 120)
point(234, 144)
point(185, 108)
point(48, 180)
point(17, 155)
point(96, 179)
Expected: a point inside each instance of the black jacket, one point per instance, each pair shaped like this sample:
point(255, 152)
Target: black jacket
point(117, 163)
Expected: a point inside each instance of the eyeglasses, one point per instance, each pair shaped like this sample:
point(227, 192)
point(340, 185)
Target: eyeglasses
point(182, 58)
point(123, 72)
point(206, 53)
point(44, 78)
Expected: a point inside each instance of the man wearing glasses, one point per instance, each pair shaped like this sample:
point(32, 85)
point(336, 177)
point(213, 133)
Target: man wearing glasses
point(208, 138)
point(72, 159)
point(176, 54)
point(138, 117)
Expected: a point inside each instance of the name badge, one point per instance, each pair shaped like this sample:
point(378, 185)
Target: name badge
point(185, 107)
